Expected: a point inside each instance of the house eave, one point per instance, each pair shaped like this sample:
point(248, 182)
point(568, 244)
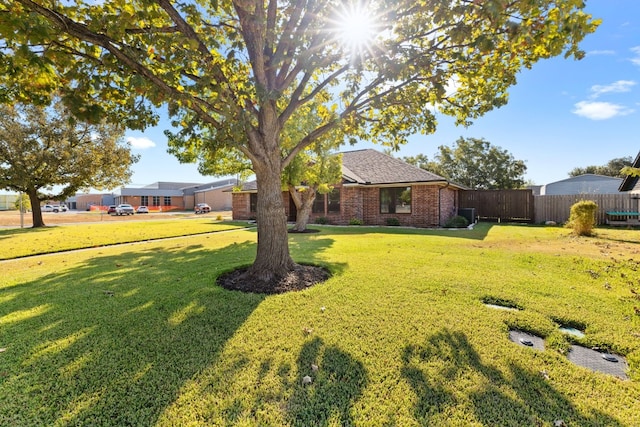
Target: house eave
point(439, 183)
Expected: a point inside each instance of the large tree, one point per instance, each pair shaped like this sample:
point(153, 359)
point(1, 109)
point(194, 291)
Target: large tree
point(240, 69)
point(48, 155)
point(614, 168)
point(477, 164)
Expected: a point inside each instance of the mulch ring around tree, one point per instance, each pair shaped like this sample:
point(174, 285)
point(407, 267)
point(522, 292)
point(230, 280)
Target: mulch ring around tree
point(306, 230)
point(301, 277)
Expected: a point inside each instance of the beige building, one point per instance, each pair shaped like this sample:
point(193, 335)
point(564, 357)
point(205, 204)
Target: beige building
point(162, 196)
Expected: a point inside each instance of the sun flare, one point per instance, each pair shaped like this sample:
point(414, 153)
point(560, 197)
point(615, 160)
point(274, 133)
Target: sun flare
point(356, 27)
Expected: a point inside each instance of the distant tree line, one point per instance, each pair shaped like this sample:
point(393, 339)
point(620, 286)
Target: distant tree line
point(476, 164)
point(613, 168)
point(479, 165)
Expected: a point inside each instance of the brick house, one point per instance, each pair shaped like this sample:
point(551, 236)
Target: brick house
point(375, 188)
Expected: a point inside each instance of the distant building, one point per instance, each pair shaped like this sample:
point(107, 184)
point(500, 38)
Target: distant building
point(582, 184)
point(163, 196)
point(7, 201)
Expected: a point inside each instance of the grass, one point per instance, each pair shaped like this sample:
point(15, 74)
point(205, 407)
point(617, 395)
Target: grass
point(20, 242)
point(140, 335)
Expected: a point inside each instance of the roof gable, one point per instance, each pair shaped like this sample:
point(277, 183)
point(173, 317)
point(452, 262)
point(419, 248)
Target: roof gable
point(373, 167)
point(629, 182)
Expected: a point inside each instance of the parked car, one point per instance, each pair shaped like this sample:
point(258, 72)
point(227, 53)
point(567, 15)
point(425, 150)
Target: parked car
point(124, 209)
point(202, 208)
point(142, 209)
point(111, 209)
point(54, 208)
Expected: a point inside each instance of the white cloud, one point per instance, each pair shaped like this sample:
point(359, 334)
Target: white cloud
point(616, 87)
point(140, 143)
point(600, 110)
point(601, 52)
point(636, 59)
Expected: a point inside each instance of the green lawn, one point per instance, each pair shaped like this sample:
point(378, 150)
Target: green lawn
point(141, 335)
point(15, 243)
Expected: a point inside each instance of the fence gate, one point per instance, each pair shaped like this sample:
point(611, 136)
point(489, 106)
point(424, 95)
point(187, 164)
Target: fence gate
point(500, 205)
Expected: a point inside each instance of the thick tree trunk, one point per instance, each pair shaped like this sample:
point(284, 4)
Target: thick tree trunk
point(36, 211)
point(272, 259)
point(304, 204)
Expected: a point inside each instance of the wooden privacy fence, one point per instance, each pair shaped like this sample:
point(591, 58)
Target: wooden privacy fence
point(523, 206)
point(558, 208)
point(500, 205)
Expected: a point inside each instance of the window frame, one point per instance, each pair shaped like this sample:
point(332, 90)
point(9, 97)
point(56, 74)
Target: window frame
point(395, 194)
point(253, 202)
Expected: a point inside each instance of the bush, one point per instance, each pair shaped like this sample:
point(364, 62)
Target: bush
point(457, 221)
point(355, 221)
point(322, 220)
point(393, 221)
point(583, 217)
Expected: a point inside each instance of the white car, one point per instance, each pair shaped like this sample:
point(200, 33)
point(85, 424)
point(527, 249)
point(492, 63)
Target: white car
point(142, 209)
point(124, 209)
point(54, 208)
point(202, 208)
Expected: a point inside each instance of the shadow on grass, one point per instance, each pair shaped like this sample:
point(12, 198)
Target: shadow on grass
point(336, 385)
point(11, 232)
point(436, 368)
point(112, 342)
point(479, 232)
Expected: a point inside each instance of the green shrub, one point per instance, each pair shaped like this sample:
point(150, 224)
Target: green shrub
point(393, 221)
point(322, 220)
point(355, 221)
point(457, 222)
point(583, 217)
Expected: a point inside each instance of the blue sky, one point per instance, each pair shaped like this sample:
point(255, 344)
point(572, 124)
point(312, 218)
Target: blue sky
point(562, 113)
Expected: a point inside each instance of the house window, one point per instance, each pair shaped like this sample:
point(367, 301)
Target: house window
point(253, 202)
point(333, 200)
point(144, 200)
point(156, 200)
point(167, 200)
point(395, 200)
point(318, 204)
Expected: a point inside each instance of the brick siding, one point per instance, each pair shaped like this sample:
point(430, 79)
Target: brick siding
point(431, 206)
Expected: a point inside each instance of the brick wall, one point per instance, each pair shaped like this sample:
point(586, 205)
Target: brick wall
point(424, 207)
point(448, 204)
point(431, 206)
point(240, 206)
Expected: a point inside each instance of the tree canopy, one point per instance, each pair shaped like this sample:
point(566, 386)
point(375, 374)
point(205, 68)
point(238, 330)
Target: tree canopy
point(47, 155)
point(614, 167)
point(475, 163)
point(238, 70)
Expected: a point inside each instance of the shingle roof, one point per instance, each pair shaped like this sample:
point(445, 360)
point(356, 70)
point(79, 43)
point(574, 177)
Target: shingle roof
point(631, 182)
point(373, 167)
